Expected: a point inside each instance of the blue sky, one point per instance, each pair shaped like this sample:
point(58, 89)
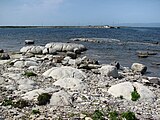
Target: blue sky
point(78, 12)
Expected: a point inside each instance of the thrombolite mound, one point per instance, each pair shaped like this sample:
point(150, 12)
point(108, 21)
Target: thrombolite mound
point(32, 49)
point(52, 48)
point(63, 47)
point(64, 72)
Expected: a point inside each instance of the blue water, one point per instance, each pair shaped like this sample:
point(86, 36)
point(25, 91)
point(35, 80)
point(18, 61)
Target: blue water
point(131, 40)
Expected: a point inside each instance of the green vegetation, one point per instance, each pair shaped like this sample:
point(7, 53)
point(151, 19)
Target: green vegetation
point(21, 103)
point(97, 115)
point(128, 115)
point(123, 116)
point(7, 102)
point(29, 74)
point(35, 112)
point(44, 98)
point(113, 115)
point(135, 95)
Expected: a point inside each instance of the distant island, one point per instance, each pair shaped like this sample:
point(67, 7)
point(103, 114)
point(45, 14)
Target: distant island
point(89, 26)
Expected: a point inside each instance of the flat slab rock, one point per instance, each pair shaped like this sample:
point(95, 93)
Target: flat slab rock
point(72, 83)
point(126, 88)
point(64, 72)
point(33, 95)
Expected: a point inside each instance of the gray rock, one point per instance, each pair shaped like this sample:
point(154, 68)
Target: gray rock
point(72, 55)
point(61, 98)
point(32, 49)
point(137, 67)
point(109, 70)
point(154, 80)
point(1, 50)
point(4, 56)
point(116, 64)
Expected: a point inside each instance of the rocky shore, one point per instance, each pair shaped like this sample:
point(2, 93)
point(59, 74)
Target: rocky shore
point(56, 81)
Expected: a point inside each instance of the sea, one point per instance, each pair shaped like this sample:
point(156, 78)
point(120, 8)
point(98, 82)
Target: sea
point(117, 44)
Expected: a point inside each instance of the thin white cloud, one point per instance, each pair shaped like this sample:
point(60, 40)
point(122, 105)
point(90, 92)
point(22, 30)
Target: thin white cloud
point(40, 5)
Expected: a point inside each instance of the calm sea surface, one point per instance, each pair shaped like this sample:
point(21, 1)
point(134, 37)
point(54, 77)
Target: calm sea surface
point(120, 44)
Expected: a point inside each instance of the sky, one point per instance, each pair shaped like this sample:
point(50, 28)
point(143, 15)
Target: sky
point(78, 12)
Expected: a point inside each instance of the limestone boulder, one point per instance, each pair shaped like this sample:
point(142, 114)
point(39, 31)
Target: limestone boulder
point(64, 72)
point(32, 49)
point(61, 98)
point(4, 62)
point(137, 67)
point(154, 80)
point(14, 76)
point(26, 84)
point(22, 63)
point(126, 88)
point(71, 83)
point(145, 93)
point(109, 70)
point(33, 95)
point(122, 89)
point(62, 47)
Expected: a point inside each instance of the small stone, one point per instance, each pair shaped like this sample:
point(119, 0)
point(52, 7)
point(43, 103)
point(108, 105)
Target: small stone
point(1, 50)
point(72, 55)
point(29, 41)
point(4, 56)
point(88, 118)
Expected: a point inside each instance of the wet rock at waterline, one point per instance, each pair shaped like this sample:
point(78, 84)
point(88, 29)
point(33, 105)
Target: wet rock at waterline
point(137, 67)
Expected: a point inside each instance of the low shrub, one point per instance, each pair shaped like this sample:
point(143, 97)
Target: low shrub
point(113, 115)
point(128, 115)
point(135, 95)
point(7, 102)
point(29, 74)
point(44, 98)
point(21, 103)
point(35, 112)
point(97, 115)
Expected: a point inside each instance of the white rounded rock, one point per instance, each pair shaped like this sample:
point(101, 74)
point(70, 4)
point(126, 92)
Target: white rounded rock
point(126, 88)
point(64, 72)
point(122, 89)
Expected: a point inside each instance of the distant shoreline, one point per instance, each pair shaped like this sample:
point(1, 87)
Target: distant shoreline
point(62, 27)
